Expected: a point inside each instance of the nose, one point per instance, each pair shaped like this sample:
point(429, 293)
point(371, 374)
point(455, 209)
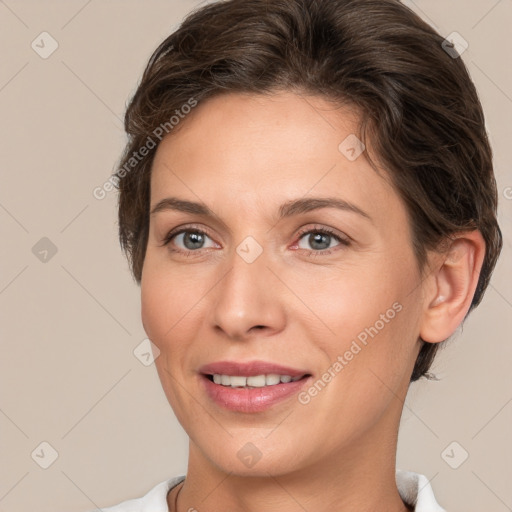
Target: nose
point(248, 300)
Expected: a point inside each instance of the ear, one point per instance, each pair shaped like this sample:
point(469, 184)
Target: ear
point(451, 286)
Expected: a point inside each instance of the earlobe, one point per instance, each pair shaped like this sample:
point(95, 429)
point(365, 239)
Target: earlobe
point(453, 284)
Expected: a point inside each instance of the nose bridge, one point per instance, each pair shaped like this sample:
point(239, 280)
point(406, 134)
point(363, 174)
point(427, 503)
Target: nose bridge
point(245, 298)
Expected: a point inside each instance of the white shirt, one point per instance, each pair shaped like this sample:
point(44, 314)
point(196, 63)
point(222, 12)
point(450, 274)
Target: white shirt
point(414, 489)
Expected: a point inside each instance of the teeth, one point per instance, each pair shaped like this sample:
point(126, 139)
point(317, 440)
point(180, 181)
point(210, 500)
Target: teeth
point(272, 379)
point(237, 382)
point(257, 381)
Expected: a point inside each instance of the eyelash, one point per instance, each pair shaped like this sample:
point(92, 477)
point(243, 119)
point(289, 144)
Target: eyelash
point(192, 229)
point(326, 231)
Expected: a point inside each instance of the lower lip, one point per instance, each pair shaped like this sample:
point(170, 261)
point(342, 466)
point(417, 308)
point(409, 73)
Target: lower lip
point(251, 400)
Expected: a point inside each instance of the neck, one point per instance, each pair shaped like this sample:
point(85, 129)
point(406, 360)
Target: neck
point(361, 476)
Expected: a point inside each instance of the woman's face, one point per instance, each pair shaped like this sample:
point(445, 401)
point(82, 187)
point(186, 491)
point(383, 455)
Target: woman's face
point(265, 277)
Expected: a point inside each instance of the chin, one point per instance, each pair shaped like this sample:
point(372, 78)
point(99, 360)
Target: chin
point(253, 456)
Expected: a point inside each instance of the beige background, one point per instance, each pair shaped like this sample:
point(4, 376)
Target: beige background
point(69, 326)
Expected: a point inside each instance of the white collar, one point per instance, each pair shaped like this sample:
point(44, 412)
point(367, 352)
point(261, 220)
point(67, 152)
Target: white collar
point(415, 489)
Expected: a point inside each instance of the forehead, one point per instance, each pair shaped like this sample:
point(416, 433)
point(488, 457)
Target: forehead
point(254, 150)
point(255, 124)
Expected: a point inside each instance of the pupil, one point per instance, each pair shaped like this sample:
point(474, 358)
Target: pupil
point(319, 238)
point(193, 240)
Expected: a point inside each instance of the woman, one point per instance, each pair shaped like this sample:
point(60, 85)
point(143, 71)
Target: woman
point(308, 203)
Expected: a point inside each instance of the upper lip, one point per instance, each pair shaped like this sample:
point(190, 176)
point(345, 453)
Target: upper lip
point(249, 369)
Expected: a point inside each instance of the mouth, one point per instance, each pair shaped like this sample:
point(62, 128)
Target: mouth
point(251, 387)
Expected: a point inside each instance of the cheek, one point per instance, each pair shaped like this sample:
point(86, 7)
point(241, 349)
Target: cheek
point(348, 299)
point(167, 312)
point(155, 309)
point(171, 302)
point(368, 310)
point(161, 306)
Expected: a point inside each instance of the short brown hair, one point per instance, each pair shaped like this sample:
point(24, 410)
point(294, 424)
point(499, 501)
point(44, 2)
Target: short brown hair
point(420, 109)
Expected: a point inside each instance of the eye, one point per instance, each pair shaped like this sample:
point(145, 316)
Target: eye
point(316, 241)
point(189, 240)
point(320, 240)
point(192, 239)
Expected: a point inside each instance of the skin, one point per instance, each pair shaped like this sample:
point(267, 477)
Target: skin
point(244, 156)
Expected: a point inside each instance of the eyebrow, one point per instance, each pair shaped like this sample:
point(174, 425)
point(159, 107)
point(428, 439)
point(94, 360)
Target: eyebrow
point(288, 209)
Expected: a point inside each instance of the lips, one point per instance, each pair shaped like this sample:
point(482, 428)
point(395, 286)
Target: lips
point(250, 399)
